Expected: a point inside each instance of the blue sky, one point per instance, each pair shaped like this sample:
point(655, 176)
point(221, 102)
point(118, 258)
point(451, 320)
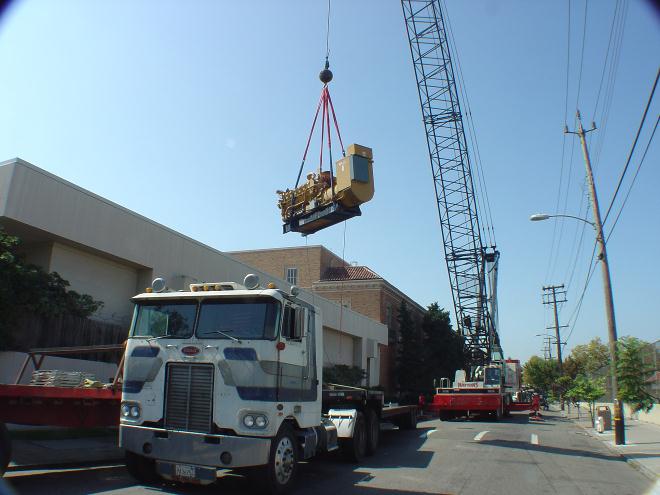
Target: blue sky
point(194, 113)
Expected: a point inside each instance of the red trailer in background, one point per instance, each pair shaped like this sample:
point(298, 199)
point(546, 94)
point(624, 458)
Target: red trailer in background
point(76, 407)
point(496, 392)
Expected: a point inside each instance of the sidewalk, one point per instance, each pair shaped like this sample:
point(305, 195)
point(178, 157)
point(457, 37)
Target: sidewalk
point(642, 448)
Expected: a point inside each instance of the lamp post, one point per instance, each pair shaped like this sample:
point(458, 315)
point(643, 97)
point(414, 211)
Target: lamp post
point(619, 426)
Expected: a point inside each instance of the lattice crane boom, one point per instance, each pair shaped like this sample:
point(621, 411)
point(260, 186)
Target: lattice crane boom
point(472, 267)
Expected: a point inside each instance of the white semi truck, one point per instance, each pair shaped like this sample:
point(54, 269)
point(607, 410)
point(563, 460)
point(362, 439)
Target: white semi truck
point(229, 376)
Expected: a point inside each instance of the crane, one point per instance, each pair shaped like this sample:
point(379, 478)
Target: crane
point(471, 265)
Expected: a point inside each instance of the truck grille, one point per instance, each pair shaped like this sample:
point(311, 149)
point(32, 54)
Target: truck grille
point(189, 397)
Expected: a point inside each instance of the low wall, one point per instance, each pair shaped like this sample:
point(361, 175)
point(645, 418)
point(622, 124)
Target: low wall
point(653, 416)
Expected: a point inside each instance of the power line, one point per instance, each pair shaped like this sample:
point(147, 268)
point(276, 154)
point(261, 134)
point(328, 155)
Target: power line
point(552, 256)
point(576, 312)
point(632, 149)
point(611, 78)
point(607, 54)
point(584, 36)
point(655, 127)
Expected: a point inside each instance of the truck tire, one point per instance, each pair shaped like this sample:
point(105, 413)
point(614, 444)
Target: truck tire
point(373, 432)
point(354, 449)
point(409, 421)
point(279, 475)
point(5, 448)
point(141, 468)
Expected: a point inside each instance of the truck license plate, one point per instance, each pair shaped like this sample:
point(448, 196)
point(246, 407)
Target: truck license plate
point(185, 472)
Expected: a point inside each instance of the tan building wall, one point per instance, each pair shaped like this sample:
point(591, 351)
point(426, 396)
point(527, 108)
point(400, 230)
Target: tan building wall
point(91, 274)
point(338, 348)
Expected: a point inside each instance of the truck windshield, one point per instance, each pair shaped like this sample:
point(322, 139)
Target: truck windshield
point(165, 319)
point(492, 376)
point(240, 319)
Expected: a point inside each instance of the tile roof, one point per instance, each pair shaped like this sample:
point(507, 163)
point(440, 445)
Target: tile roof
point(349, 273)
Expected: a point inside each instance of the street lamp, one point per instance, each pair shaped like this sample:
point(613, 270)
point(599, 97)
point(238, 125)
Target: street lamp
point(537, 217)
point(619, 427)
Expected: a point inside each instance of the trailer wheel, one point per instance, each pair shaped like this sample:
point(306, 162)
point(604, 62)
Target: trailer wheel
point(354, 449)
point(5, 448)
point(279, 475)
point(141, 468)
point(373, 432)
point(409, 421)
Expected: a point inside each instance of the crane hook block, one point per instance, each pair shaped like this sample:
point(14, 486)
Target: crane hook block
point(324, 200)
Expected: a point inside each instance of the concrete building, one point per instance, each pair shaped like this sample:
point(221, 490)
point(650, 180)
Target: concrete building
point(356, 288)
point(112, 253)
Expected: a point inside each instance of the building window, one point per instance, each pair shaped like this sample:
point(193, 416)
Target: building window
point(292, 275)
point(388, 315)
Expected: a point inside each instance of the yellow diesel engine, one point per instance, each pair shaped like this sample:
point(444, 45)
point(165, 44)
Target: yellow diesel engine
point(324, 200)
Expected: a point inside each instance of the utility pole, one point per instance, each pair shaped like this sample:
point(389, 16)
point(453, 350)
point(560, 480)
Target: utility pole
point(547, 350)
point(619, 427)
point(550, 294)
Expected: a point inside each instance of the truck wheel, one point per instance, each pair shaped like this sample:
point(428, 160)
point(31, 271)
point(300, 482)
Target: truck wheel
point(409, 421)
point(498, 414)
point(354, 449)
point(5, 448)
point(373, 432)
point(141, 468)
point(279, 475)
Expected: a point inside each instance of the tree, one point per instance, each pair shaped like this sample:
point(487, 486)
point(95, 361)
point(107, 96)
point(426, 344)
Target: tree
point(344, 375)
point(587, 359)
point(587, 390)
point(443, 347)
point(409, 356)
point(27, 288)
point(540, 373)
point(632, 374)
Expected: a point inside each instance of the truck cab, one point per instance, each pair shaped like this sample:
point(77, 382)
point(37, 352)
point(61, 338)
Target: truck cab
point(221, 376)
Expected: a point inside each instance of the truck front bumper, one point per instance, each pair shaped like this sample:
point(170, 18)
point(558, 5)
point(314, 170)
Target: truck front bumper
point(200, 449)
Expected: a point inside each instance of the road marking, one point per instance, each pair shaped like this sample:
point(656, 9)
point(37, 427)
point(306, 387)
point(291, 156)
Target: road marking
point(479, 436)
point(535, 439)
point(426, 434)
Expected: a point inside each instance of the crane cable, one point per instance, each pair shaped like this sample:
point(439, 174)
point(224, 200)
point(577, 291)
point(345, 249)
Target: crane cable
point(325, 107)
point(327, 35)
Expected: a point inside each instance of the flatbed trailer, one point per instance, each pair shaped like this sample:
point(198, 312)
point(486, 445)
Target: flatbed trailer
point(448, 403)
point(37, 405)
point(342, 396)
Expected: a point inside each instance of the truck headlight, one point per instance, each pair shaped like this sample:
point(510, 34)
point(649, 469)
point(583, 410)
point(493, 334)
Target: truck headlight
point(260, 421)
point(130, 410)
point(257, 421)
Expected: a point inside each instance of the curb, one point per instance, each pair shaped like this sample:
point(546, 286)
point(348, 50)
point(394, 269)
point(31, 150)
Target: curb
point(19, 468)
point(634, 463)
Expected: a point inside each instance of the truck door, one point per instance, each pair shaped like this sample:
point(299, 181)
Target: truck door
point(293, 359)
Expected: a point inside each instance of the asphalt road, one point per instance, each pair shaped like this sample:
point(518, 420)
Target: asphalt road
point(509, 457)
